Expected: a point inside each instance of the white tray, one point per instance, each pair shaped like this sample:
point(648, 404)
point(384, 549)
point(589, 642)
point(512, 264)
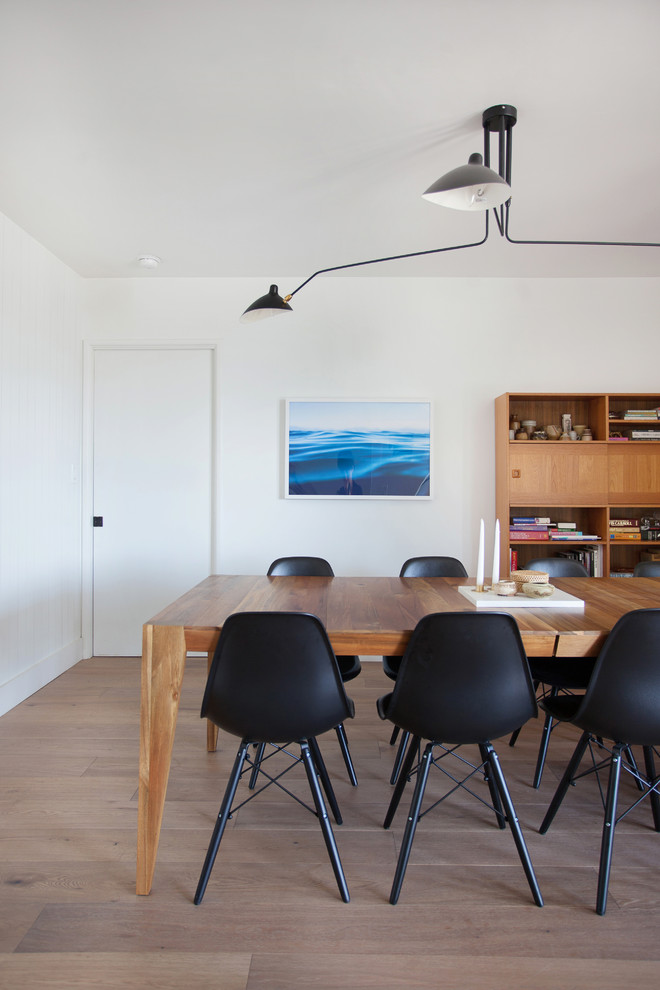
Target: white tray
point(489, 599)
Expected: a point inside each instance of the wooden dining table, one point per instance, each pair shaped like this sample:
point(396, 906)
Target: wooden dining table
point(370, 616)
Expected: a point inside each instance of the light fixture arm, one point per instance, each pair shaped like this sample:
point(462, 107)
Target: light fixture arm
point(393, 257)
point(517, 240)
point(501, 119)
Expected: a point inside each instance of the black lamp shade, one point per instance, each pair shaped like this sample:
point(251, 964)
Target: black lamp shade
point(269, 305)
point(469, 187)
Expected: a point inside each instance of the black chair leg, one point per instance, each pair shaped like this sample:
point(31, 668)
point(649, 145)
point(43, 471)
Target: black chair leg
point(609, 824)
point(395, 733)
point(543, 750)
point(514, 737)
point(258, 757)
point(345, 752)
point(398, 760)
point(326, 827)
point(411, 756)
point(649, 764)
point(632, 763)
point(512, 818)
point(492, 786)
point(325, 779)
point(565, 782)
point(221, 821)
point(411, 824)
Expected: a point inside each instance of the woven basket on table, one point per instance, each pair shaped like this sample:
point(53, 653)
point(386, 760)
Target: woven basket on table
point(529, 577)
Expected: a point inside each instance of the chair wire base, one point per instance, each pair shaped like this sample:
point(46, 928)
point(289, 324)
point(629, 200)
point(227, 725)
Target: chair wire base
point(501, 802)
point(619, 758)
point(310, 757)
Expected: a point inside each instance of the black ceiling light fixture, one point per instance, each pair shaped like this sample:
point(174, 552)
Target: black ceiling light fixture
point(472, 187)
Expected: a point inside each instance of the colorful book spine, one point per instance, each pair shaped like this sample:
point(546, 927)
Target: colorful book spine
point(527, 534)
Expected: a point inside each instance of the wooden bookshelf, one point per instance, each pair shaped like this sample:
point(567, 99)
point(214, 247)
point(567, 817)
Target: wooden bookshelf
point(590, 483)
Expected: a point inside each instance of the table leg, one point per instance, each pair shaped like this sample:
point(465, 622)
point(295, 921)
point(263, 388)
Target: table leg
point(211, 729)
point(163, 663)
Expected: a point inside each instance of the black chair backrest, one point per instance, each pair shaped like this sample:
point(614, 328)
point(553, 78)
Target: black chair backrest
point(622, 701)
point(274, 678)
point(558, 567)
point(647, 568)
point(304, 566)
point(464, 678)
point(433, 567)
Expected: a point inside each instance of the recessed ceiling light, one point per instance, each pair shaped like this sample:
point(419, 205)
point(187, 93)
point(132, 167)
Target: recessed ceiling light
point(148, 261)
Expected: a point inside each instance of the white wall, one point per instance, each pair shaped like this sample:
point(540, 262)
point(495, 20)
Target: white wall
point(459, 342)
point(40, 403)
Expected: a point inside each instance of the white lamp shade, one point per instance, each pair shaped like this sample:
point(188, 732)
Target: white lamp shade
point(469, 187)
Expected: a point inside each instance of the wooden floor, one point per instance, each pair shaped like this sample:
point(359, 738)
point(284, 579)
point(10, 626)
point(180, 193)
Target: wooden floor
point(272, 918)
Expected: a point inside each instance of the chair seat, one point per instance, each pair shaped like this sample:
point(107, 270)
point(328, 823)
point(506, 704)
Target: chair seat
point(570, 673)
point(562, 706)
point(349, 667)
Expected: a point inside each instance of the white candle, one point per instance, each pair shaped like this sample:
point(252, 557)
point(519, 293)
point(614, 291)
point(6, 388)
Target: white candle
point(480, 559)
point(496, 553)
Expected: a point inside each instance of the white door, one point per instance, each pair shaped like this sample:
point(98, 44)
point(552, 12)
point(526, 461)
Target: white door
point(153, 470)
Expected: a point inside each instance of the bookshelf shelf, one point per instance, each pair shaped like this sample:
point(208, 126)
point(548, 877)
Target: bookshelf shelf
point(595, 486)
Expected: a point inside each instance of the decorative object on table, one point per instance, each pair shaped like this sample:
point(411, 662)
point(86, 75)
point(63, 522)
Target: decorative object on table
point(522, 435)
point(553, 432)
point(480, 559)
point(538, 590)
point(529, 577)
point(490, 599)
point(566, 422)
point(587, 435)
point(473, 187)
point(580, 430)
point(505, 588)
point(496, 554)
point(370, 449)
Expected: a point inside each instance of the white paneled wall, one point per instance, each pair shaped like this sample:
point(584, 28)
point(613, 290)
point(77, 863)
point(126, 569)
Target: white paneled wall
point(40, 403)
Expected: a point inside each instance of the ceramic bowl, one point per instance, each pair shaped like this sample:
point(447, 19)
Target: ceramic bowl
point(505, 588)
point(538, 590)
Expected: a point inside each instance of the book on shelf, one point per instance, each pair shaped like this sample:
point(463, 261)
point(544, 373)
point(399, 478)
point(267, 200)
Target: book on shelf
point(642, 413)
point(617, 438)
point(530, 520)
point(566, 525)
point(527, 528)
point(575, 538)
point(645, 434)
point(528, 534)
point(513, 560)
point(624, 537)
point(615, 523)
point(590, 557)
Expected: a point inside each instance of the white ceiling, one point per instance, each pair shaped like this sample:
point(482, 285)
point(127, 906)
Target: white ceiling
point(264, 137)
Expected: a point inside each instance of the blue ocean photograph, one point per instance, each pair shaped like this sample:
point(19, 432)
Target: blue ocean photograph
point(373, 449)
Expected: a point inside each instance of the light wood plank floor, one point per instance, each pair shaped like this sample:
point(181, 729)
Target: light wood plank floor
point(272, 918)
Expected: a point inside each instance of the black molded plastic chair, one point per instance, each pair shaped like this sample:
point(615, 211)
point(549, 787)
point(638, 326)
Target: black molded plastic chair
point(274, 678)
point(622, 703)
point(647, 568)
point(418, 567)
point(349, 666)
point(558, 567)
point(557, 674)
point(464, 679)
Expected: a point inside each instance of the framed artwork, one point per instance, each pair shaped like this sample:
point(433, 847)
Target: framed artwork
point(358, 449)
